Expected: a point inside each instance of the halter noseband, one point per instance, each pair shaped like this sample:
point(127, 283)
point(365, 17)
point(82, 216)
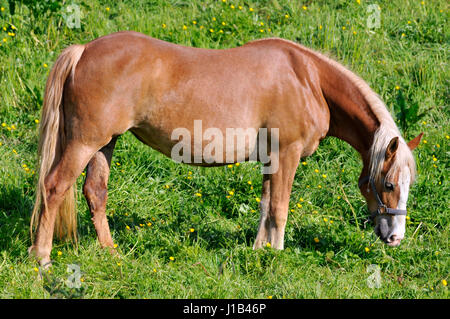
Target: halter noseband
point(382, 209)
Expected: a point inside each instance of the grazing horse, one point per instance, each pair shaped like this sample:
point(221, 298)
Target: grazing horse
point(128, 81)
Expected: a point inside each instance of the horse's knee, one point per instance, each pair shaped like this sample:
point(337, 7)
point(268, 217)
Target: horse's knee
point(278, 216)
point(54, 188)
point(95, 193)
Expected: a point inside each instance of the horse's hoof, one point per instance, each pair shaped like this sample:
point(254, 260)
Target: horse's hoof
point(43, 259)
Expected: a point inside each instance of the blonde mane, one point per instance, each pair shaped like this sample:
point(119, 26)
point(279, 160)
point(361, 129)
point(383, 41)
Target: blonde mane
point(387, 130)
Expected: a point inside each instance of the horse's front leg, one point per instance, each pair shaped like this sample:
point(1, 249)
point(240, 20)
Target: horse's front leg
point(280, 190)
point(261, 237)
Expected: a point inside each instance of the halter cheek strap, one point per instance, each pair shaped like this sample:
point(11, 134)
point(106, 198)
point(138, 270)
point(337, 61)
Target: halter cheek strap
point(382, 209)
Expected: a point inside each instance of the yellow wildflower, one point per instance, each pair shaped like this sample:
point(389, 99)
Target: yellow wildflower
point(316, 240)
point(171, 258)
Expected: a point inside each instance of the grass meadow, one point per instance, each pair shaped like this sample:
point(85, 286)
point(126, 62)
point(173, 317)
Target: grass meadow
point(187, 232)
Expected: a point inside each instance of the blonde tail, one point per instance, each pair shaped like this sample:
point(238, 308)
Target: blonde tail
point(52, 143)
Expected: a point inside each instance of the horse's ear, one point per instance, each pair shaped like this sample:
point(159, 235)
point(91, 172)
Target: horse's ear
point(415, 141)
point(391, 148)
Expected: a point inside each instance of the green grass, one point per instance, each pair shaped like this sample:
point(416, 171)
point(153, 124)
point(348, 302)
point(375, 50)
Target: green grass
point(216, 260)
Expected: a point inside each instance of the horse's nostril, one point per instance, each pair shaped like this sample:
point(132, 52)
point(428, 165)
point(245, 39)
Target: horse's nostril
point(393, 238)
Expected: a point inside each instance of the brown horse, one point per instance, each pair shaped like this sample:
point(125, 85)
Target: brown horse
point(129, 81)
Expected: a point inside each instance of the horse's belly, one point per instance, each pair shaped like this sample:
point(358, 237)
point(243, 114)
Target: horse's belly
point(199, 145)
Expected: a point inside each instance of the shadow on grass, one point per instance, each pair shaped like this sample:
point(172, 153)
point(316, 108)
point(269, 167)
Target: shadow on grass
point(15, 212)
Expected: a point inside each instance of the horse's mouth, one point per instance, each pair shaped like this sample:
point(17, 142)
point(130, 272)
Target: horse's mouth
point(386, 239)
point(394, 243)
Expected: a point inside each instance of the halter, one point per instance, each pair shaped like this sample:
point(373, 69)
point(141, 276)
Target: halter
point(382, 209)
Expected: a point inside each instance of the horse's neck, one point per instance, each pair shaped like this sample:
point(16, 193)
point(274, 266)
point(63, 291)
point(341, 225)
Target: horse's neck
point(351, 117)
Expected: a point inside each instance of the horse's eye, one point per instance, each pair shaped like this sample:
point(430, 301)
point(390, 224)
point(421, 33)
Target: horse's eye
point(389, 186)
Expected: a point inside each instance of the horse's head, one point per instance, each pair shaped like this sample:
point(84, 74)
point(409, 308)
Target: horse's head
point(385, 184)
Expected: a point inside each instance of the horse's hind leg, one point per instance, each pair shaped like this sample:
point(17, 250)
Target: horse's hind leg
point(96, 193)
point(73, 160)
